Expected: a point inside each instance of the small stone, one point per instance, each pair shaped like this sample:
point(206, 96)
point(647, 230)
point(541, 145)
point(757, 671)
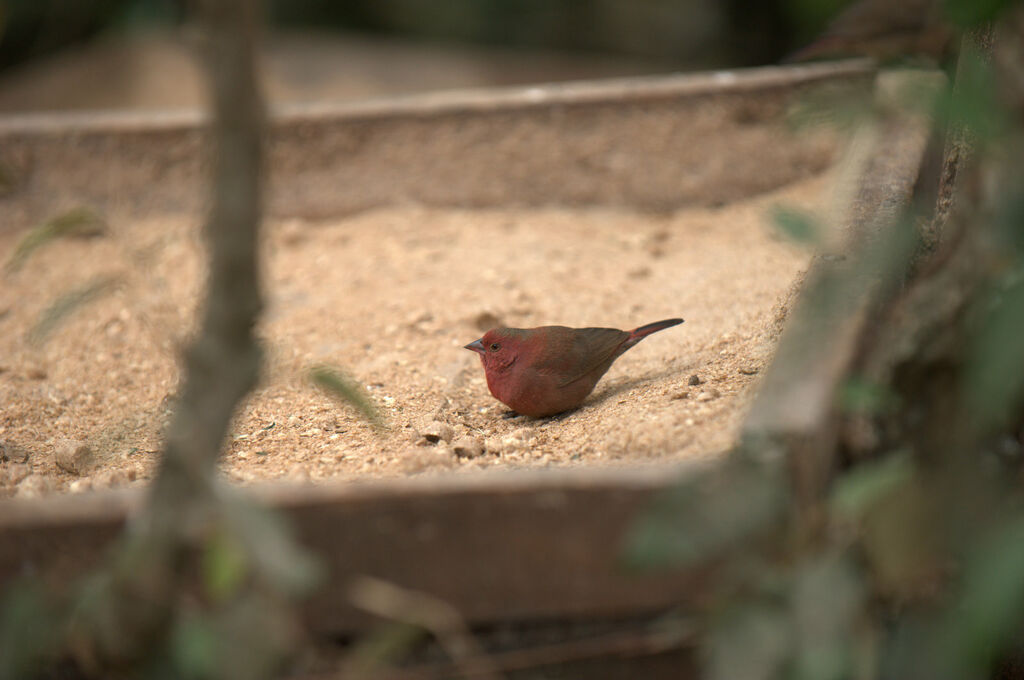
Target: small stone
point(11, 475)
point(9, 451)
point(694, 380)
point(110, 479)
point(80, 485)
point(749, 369)
point(74, 457)
point(468, 447)
point(435, 431)
point(708, 395)
point(681, 394)
point(33, 486)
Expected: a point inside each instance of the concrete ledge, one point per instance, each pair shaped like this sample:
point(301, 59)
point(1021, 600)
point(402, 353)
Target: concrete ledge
point(654, 143)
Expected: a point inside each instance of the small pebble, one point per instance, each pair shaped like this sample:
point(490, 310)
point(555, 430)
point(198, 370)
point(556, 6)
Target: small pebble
point(11, 475)
point(9, 451)
point(468, 447)
point(749, 369)
point(33, 486)
point(694, 380)
point(708, 395)
point(435, 431)
point(80, 485)
point(74, 457)
point(111, 479)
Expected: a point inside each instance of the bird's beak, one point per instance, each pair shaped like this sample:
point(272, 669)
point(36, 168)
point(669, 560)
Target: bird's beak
point(477, 346)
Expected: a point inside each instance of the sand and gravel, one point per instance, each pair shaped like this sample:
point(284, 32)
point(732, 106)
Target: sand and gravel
point(390, 296)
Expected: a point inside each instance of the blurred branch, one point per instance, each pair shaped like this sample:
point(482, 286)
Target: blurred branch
point(236, 621)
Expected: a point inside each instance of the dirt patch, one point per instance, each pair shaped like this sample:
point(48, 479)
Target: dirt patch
point(391, 296)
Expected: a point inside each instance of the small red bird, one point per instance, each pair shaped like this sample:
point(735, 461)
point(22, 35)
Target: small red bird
point(543, 371)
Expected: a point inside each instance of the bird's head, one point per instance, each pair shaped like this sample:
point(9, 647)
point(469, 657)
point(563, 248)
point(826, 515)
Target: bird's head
point(499, 348)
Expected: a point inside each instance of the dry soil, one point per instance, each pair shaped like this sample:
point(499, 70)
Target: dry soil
point(390, 297)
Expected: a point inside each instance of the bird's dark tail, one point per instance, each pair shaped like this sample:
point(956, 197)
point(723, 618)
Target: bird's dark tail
point(638, 334)
point(644, 331)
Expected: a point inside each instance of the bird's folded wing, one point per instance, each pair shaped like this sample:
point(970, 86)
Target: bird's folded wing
point(580, 352)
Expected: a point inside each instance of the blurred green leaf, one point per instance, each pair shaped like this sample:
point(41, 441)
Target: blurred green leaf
point(904, 535)
point(970, 13)
point(193, 643)
point(857, 395)
point(344, 388)
point(812, 15)
point(272, 550)
point(995, 376)
point(225, 566)
point(827, 602)
point(29, 630)
point(750, 641)
point(1010, 218)
point(708, 511)
point(80, 222)
point(860, 489)
point(991, 609)
point(973, 105)
point(69, 303)
point(796, 224)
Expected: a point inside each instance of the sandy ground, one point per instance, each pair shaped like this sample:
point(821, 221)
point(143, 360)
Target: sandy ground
point(391, 296)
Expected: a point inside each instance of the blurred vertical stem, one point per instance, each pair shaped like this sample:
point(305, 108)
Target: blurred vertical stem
point(126, 612)
point(223, 363)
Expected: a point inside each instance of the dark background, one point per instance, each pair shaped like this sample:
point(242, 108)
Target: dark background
point(682, 34)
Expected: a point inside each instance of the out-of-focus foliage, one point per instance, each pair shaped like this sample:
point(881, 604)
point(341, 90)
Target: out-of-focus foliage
point(29, 629)
point(701, 517)
point(69, 303)
point(79, 222)
point(343, 388)
point(912, 565)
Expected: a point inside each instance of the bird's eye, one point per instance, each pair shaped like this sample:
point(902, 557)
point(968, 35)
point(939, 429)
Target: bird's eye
point(495, 347)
